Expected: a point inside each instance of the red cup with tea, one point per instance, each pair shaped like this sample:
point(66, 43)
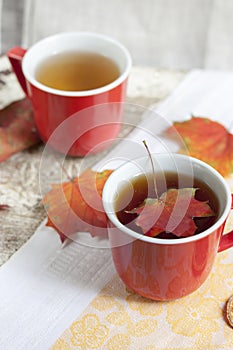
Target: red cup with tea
point(166, 267)
point(67, 73)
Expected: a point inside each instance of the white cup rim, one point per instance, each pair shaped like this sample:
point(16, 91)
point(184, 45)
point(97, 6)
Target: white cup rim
point(108, 193)
point(122, 77)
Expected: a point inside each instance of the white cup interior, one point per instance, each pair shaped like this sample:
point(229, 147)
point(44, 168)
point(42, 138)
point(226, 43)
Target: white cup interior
point(77, 41)
point(166, 162)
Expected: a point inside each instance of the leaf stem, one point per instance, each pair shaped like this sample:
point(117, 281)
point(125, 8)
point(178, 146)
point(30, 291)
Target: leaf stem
point(153, 169)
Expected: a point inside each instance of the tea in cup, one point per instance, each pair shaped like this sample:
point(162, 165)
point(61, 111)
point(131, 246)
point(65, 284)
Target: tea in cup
point(167, 266)
point(66, 73)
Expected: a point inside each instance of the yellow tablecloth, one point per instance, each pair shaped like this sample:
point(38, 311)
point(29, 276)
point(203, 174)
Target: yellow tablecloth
point(120, 319)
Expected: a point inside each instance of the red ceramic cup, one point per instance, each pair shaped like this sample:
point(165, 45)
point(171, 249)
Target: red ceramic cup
point(166, 269)
point(52, 106)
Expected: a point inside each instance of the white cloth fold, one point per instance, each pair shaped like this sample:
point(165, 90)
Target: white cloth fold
point(45, 287)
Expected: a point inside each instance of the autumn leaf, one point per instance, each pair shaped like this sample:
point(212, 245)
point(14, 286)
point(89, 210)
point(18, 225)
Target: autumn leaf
point(172, 212)
point(76, 206)
point(4, 206)
point(206, 140)
point(17, 128)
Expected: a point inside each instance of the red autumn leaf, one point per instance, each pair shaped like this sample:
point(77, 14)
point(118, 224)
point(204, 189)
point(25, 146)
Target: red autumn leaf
point(206, 140)
point(4, 206)
point(17, 128)
point(173, 212)
point(76, 206)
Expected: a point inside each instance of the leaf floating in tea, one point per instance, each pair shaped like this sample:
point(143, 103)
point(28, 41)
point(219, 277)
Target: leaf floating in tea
point(174, 211)
point(206, 140)
point(69, 205)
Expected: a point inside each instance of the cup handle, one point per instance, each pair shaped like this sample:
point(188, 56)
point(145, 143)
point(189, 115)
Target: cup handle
point(15, 56)
point(226, 241)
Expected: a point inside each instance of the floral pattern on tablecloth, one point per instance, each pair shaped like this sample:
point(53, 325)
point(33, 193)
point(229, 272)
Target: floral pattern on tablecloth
point(119, 319)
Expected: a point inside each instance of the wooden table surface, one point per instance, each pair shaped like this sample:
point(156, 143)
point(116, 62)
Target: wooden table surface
point(19, 175)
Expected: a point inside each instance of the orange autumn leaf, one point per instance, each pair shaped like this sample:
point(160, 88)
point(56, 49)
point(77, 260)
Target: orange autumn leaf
point(76, 206)
point(173, 212)
point(206, 140)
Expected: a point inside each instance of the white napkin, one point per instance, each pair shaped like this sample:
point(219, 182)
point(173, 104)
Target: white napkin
point(44, 287)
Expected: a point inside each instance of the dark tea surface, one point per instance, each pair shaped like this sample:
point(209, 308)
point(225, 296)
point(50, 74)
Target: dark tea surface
point(141, 187)
point(77, 71)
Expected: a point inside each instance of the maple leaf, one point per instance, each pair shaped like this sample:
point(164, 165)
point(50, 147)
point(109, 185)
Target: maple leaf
point(76, 206)
point(173, 212)
point(206, 140)
point(17, 128)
